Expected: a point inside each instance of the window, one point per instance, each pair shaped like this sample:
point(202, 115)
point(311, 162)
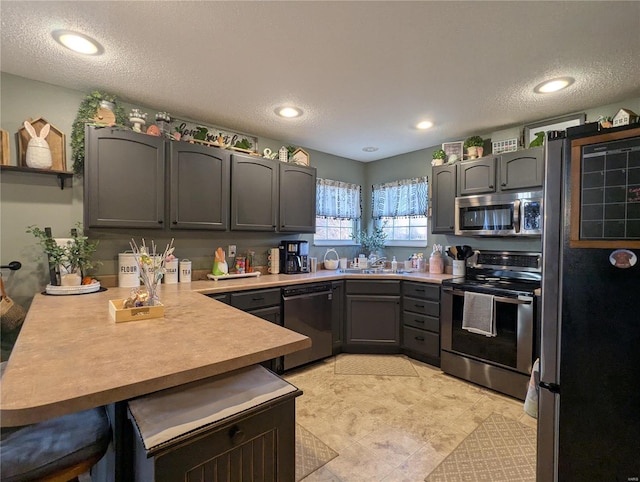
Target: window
point(338, 211)
point(400, 209)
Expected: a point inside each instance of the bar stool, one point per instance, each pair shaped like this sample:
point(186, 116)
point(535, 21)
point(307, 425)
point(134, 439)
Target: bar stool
point(56, 450)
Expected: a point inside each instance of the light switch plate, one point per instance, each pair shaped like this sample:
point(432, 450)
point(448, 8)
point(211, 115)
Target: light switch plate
point(232, 250)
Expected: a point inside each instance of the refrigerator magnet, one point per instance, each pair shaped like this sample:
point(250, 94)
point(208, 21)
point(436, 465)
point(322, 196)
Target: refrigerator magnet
point(623, 258)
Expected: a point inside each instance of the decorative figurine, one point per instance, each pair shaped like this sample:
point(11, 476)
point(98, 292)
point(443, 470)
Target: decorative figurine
point(137, 119)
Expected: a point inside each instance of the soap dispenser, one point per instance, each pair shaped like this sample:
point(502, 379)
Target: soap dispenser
point(394, 265)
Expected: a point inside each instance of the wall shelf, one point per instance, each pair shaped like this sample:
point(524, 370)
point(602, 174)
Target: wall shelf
point(61, 175)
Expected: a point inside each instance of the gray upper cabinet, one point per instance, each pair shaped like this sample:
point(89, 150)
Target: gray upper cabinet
point(477, 176)
point(443, 199)
point(297, 198)
point(522, 169)
point(123, 179)
point(199, 179)
point(254, 193)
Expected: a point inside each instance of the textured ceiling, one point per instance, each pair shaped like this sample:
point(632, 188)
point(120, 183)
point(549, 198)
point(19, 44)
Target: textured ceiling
point(363, 72)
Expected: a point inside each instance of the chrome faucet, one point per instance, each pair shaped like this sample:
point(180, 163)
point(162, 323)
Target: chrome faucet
point(378, 262)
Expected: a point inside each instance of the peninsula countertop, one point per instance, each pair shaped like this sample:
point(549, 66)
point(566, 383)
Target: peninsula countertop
point(71, 355)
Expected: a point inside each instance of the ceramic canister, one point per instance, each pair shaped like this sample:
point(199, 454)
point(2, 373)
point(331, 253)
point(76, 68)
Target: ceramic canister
point(171, 271)
point(128, 276)
point(185, 271)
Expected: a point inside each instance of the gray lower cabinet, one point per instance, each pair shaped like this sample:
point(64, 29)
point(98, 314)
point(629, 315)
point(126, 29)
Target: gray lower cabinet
point(477, 176)
point(124, 179)
point(265, 304)
point(421, 321)
point(522, 169)
point(297, 198)
point(199, 178)
point(254, 193)
point(337, 315)
point(443, 199)
point(372, 311)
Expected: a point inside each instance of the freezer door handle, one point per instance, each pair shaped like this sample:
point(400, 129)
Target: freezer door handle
point(552, 387)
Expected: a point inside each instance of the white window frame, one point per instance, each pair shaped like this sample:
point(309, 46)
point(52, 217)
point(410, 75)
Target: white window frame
point(337, 242)
point(411, 243)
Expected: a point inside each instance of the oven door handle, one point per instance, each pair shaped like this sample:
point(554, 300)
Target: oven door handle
point(520, 300)
point(516, 215)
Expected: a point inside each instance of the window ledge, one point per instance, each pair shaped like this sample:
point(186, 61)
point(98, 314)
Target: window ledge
point(333, 242)
point(410, 244)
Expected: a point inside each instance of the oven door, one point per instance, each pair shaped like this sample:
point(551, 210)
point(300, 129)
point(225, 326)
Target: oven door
point(513, 346)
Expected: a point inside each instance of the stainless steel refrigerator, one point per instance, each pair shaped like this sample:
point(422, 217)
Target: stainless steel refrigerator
point(589, 399)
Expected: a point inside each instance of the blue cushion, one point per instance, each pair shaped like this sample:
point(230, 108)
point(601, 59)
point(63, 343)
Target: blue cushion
point(34, 451)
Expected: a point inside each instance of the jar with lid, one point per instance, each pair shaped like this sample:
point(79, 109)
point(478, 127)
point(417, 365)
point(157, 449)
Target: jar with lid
point(163, 121)
point(436, 263)
point(240, 264)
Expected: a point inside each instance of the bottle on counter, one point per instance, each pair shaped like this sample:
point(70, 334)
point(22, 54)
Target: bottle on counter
point(394, 265)
point(436, 263)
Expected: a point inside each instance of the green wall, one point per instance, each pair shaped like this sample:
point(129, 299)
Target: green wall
point(27, 199)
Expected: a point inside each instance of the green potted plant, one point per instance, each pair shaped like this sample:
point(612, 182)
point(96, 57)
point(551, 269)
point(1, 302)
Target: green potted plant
point(438, 157)
point(474, 146)
point(370, 242)
point(71, 259)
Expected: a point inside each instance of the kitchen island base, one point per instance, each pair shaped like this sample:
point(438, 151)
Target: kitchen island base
point(217, 431)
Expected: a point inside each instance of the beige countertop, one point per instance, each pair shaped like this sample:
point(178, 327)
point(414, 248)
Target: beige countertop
point(274, 280)
point(71, 356)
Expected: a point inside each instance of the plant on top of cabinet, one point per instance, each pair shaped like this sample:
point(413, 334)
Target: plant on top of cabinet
point(438, 157)
point(474, 146)
point(90, 111)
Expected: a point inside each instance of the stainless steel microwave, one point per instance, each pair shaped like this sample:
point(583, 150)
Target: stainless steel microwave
point(502, 214)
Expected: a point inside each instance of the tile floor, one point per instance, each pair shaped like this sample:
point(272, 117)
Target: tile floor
point(391, 428)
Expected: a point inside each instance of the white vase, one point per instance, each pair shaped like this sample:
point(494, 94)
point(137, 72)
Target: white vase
point(71, 279)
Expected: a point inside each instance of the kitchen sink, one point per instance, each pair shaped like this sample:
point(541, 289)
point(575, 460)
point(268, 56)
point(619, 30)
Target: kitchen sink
point(370, 271)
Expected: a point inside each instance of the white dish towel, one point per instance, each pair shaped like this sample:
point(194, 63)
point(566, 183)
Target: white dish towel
point(477, 314)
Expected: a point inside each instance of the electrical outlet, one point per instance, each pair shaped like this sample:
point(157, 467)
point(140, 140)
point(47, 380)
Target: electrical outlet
point(232, 250)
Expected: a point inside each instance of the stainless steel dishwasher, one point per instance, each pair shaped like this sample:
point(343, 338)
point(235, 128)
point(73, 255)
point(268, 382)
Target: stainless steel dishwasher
point(306, 309)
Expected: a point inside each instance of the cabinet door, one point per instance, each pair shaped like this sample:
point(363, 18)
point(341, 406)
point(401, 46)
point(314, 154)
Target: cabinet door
point(477, 176)
point(337, 318)
point(297, 198)
point(123, 179)
point(199, 187)
point(254, 193)
point(373, 320)
point(444, 196)
point(522, 169)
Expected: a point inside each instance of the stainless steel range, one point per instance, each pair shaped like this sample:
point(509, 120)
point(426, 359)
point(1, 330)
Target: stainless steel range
point(501, 359)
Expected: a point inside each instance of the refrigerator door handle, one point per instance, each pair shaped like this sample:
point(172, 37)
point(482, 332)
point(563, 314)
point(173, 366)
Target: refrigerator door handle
point(552, 387)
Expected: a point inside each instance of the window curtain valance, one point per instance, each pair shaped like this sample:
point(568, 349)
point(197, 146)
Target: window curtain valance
point(337, 199)
point(404, 198)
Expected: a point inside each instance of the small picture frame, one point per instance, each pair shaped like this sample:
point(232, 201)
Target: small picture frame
point(453, 149)
point(507, 145)
point(558, 124)
point(300, 157)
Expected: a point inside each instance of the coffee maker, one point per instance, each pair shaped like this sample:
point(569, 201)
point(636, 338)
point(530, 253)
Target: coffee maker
point(294, 257)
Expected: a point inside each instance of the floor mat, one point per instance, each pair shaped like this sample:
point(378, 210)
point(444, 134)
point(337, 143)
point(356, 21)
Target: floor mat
point(311, 452)
point(390, 365)
point(499, 450)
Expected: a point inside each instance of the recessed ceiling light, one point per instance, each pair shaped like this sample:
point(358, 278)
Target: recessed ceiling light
point(370, 149)
point(424, 125)
point(77, 42)
point(289, 112)
point(554, 85)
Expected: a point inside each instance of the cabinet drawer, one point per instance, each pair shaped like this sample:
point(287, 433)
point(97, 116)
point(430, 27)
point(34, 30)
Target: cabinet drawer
point(421, 290)
point(356, 287)
point(424, 307)
point(223, 297)
point(248, 300)
point(422, 322)
point(421, 341)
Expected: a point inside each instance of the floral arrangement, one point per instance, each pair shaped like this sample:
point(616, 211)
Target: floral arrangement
point(370, 242)
point(152, 269)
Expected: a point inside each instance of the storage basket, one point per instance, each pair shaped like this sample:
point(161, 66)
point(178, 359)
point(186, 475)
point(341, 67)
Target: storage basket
point(331, 263)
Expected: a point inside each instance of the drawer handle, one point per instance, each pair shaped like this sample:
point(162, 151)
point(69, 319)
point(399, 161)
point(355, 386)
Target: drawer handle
point(419, 338)
point(419, 306)
point(420, 289)
point(257, 299)
point(418, 321)
point(236, 434)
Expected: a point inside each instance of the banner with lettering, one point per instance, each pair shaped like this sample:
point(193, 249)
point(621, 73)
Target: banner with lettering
point(190, 130)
